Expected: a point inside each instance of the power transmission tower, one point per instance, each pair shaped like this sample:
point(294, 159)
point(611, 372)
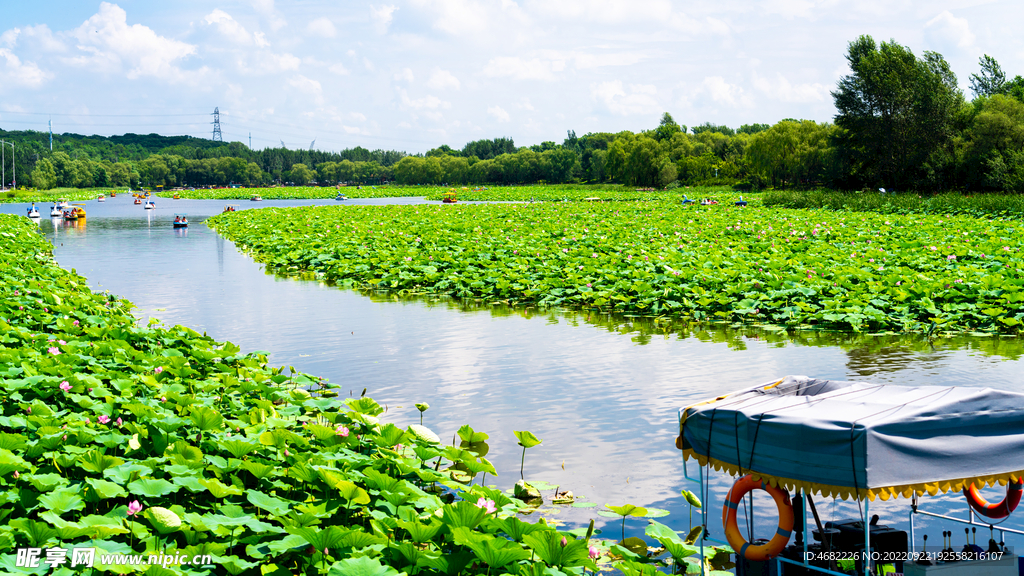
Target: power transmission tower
point(217, 136)
point(282, 144)
point(311, 144)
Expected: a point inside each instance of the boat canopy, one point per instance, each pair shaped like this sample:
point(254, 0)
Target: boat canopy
point(860, 440)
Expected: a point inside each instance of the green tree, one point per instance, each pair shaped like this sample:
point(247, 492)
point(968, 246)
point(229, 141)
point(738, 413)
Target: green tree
point(301, 174)
point(667, 128)
point(44, 176)
point(991, 80)
point(896, 113)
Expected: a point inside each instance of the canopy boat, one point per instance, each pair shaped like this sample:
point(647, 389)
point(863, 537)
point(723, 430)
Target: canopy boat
point(256, 198)
point(55, 211)
point(181, 220)
point(62, 203)
point(113, 194)
point(33, 212)
point(231, 208)
point(862, 441)
point(341, 196)
point(101, 198)
point(150, 205)
point(176, 196)
point(74, 212)
point(450, 197)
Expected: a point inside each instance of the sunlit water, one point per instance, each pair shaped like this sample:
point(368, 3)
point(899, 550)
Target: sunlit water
point(601, 392)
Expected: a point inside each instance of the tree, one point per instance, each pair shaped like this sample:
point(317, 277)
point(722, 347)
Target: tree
point(301, 174)
point(44, 176)
point(991, 80)
point(896, 114)
point(667, 128)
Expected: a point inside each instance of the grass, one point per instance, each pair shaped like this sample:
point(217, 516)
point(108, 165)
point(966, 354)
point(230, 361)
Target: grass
point(950, 203)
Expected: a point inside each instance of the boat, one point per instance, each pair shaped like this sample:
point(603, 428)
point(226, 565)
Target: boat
point(450, 197)
point(79, 209)
point(138, 200)
point(176, 196)
point(231, 208)
point(256, 198)
point(55, 211)
point(798, 438)
point(180, 220)
point(33, 212)
point(101, 198)
point(73, 212)
point(113, 194)
point(341, 196)
point(150, 205)
point(62, 203)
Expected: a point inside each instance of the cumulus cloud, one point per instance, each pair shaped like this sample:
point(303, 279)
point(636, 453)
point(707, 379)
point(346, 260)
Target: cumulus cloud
point(498, 113)
point(443, 80)
point(18, 73)
point(425, 103)
point(339, 69)
point(520, 69)
point(267, 10)
point(228, 27)
point(782, 89)
point(110, 43)
point(39, 37)
point(381, 16)
point(947, 31)
point(322, 27)
point(406, 75)
point(640, 98)
point(722, 92)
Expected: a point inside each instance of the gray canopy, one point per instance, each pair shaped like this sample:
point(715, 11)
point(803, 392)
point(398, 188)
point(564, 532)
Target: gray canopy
point(860, 439)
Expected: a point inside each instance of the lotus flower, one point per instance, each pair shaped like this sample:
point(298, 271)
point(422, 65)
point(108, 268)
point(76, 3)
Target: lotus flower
point(16, 474)
point(487, 505)
point(564, 541)
point(342, 431)
point(75, 323)
point(65, 386)
point(159, 369)
point(134, 508)
point(119, 423)
point(53, 350)
point(594, 553)
point(103, 419)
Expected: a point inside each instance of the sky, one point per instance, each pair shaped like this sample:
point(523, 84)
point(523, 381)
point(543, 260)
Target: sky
point(413, 75)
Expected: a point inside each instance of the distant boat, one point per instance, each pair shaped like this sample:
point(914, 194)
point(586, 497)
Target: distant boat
point(150, 205)
point(62, 203)
point(231, 208)
point(55, 211)
point(741, 202)
point(341, 196)
point(33, 212)
point(138, 200)
point(256, 198)
point(181, 220)
point(101, 198)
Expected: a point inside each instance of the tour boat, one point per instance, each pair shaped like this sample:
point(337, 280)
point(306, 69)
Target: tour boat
point(181, 220)
point(150, 205)
point(450, 197)
point(55, 212)
point(33, 212)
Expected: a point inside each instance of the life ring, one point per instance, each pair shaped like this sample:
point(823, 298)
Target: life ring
point(732, 532)
point(998, 510)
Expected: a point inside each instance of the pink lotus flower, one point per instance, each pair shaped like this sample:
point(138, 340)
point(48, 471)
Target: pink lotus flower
point(286, 453)
point(564, 541)
point(341, 431)
point(53, 350)
point(486, 504)
point(103, 419)
point(16, 475)
point(61, 342)
point(119, 423)
point(594, 553)
point(134, 508)
point(87, 421)
point(159, 369)
point(65, 386)
point(75, 323)
point(163, 398)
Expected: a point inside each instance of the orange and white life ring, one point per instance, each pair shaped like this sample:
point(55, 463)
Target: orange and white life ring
point(732, 532)
point(999, 509)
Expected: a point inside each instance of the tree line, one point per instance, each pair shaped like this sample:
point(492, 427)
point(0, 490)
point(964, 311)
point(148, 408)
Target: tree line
point(901, 123)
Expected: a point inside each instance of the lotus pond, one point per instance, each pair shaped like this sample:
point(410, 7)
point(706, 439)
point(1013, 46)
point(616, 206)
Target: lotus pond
point(768, 266)
point(600, 389)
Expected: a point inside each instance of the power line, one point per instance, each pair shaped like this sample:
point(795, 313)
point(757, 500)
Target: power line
point(98, 115)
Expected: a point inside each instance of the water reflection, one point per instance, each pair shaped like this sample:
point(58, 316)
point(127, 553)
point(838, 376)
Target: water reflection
point(601, 390)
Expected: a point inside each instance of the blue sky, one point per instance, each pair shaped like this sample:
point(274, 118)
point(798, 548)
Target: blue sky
point(411, 75)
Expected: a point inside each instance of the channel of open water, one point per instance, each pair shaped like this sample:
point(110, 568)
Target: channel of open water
point(601, 391)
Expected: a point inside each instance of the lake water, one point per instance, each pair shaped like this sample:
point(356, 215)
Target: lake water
point(602, 392)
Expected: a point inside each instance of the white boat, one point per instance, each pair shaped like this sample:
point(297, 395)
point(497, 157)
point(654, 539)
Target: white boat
point(63, 203)
point(341, 197)
point(257, 198)
point(150, 205)
point(55, 212)
point(101, 198)
point(33, 212)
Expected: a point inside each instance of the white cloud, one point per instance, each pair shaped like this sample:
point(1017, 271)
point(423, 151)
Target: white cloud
point(425, 103)
point(790, 9)
point(946, 31)
point(641, 98)
point(498, 113)
point(381, 16)
point(261, 39)
point(308, 87)
point(266, 8)
point(405, 74)
point(18, 73)
point(442, 80)
point(338, 68)
point(228, 27)
point(525, 104)
point(110, 42)
point(457, 17)
point(519, 69)
point(781, 89)
point(278, 62)
point(37, 36)
point(722, 92)
point(322, 27)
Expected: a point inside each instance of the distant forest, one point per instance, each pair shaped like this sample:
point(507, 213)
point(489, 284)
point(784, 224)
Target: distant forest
point(902, 123)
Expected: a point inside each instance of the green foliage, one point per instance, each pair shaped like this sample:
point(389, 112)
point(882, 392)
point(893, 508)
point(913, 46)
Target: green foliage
point(765, 266)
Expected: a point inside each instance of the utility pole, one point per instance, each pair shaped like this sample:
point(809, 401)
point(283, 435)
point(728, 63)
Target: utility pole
point(250, 140)
point(50, 124)
point(14, 165)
